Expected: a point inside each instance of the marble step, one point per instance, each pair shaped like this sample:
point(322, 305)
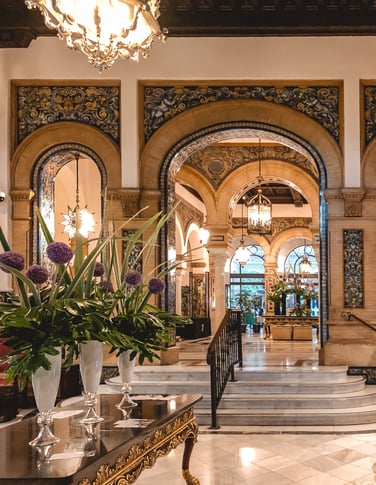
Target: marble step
point(248, 374)
point(289, 417)
point(165, 386)
point(367, 397)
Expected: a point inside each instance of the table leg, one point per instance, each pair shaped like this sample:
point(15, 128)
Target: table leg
point(188, 447)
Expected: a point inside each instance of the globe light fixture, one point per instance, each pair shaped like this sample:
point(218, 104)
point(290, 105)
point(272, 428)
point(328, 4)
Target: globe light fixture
point(203, 234)
point(104, 30)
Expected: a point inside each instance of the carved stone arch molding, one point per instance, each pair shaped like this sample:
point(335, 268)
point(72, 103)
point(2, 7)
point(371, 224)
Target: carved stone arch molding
point(51, 138)
point(172, 143)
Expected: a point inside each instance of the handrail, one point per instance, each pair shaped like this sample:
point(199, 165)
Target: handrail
point(349, 315)
point(225, 350)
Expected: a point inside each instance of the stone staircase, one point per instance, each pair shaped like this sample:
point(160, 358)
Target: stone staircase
point(281, 396)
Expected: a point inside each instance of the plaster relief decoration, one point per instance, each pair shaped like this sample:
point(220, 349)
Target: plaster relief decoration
point(353, 268)
point(215, 163)
point(41, 103)
point(162, 101)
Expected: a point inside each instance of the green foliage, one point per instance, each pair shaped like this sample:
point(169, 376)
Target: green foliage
point(75, 306)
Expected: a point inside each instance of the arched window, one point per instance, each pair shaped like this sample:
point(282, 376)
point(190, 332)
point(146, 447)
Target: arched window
point(247, 279)
point(303, 280)
point(294, 258)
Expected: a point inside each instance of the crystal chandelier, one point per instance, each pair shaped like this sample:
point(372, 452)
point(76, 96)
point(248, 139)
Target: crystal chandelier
point(242, 254)
point(104, 30)
point(77, 219)
point(259, 207)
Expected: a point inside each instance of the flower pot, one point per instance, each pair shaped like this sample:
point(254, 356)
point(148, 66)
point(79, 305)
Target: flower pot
point(91, 363)
point(45, 384)
point(126, 369)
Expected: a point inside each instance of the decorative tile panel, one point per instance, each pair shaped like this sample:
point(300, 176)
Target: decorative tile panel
point(369, 111)
point(163, 102)
point(353, 268)
point(40, 104)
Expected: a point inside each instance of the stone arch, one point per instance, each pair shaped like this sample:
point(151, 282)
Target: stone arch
point(190, 131)
point(38, 143)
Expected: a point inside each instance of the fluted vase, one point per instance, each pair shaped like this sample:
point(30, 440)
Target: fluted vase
point(91, 363)
point(45, 383)
point(126, 369)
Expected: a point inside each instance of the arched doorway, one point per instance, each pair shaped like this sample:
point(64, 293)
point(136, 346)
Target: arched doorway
point(177, 139)
point(29, 165)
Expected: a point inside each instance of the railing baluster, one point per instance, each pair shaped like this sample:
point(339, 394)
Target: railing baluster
point(225, 350)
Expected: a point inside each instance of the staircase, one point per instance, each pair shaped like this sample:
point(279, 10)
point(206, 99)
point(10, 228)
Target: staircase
point(280, 396)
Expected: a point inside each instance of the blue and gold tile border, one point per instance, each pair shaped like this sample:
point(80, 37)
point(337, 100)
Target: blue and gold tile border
point(39, 103)
point(163, 100)
point(353, 268)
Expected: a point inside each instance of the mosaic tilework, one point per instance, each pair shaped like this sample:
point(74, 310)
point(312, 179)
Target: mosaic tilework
point(40, 105)
point(353, 268)
point(163, 102)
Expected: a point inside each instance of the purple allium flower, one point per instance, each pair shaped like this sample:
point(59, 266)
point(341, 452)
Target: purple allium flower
point(107, 286)
point(37, 273)
point(59, 252)
point(133, 278)
point(156, 286)
point(12, 259)
point(98, 269)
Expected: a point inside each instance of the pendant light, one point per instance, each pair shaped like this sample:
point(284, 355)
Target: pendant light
point(259, 207)
point(305, 266)
point(242, 254)
point(78, 220)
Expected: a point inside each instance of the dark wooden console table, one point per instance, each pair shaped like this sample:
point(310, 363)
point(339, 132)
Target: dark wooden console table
point(116, 453)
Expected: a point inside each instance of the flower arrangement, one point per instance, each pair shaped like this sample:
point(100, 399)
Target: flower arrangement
point(47, 312)
point(97, 297)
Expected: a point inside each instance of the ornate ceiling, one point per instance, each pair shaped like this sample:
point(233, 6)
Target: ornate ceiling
point(202, 18)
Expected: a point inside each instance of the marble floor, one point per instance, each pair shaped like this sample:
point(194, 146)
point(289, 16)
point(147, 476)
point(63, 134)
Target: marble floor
point(240, 456)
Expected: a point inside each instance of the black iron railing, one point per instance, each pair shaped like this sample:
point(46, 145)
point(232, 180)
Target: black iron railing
point(224, 352)
point(349, 316)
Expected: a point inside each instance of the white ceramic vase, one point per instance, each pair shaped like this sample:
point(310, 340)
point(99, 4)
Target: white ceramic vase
point(126, 369)
point(91, 363)
point(45, 384)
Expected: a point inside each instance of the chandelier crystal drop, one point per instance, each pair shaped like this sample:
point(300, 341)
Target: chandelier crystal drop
point(104, 30)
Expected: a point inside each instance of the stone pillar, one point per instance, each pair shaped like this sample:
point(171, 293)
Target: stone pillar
point(217, 300)
point(21, 222)
point(270, 269)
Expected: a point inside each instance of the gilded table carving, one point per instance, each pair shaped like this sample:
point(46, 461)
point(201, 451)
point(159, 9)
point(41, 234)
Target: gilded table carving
point(128, 468)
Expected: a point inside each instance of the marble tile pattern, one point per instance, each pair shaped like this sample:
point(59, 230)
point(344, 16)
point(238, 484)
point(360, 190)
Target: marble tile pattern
point(272, 456)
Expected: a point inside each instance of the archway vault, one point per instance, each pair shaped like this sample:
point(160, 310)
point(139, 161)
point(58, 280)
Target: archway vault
point(194, 129)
